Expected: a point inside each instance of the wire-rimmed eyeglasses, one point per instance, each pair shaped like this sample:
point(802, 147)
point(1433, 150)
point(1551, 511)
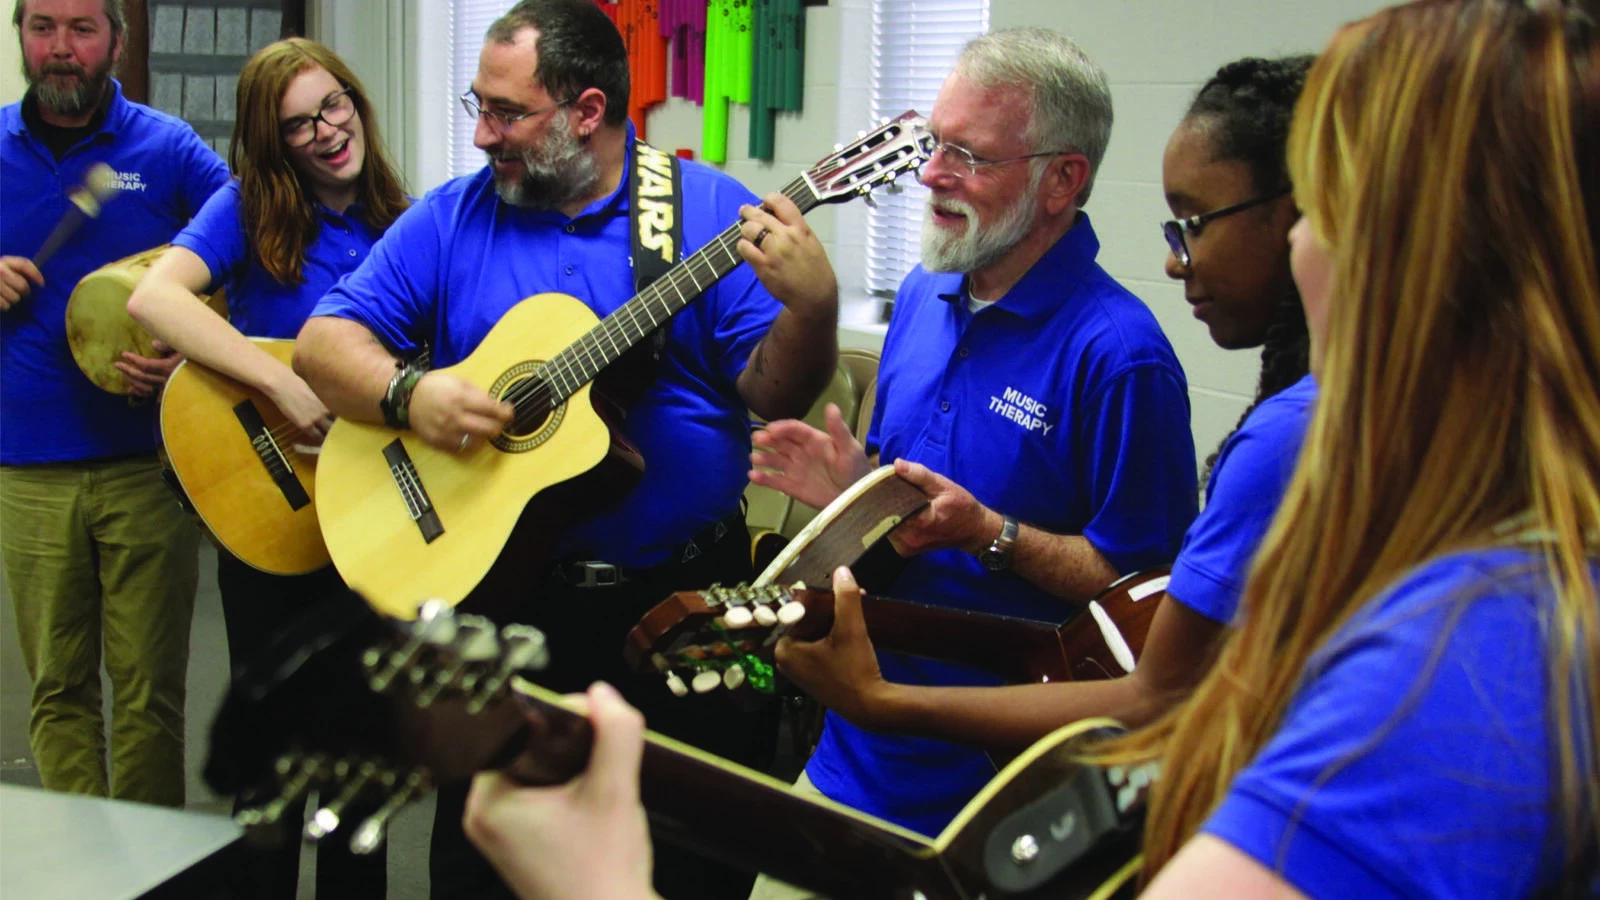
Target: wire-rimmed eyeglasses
point(964, 162)
point(1176, 231)
point(337, 108)
point(498, 120)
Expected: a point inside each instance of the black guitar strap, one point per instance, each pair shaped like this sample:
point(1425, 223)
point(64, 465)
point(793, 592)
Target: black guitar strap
point(655, 203)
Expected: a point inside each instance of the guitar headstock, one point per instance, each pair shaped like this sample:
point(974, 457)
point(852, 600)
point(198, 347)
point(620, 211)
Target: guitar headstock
point(371, 713)
point(874, 159)
point(723, 636)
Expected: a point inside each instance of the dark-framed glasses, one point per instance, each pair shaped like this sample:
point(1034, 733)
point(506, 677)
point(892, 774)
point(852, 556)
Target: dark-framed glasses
point(1177, 231)
point(964, 162)
point(498, 120)
point(337, 108)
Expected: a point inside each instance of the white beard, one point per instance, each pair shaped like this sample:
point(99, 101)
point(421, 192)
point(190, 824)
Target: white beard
point(557, 171)
point(980, 244)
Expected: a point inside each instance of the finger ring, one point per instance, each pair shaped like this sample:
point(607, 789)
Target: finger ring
point(761, 237)
point(463, 445)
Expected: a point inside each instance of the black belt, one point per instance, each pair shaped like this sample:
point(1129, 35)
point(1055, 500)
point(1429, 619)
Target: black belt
point(581, 571)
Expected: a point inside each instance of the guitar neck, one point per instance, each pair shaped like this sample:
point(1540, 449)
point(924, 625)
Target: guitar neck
point(1018, 650)
point(737, 815)
point(618, 332)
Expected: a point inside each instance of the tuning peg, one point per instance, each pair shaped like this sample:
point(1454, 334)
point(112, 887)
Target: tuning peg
point(326, 820)
point(524, 648)
point(298, 775)
point(435, 624)
point(676, 685)
point(370, 834)
point(837, 147)
point(738, 617)
point(733, 676)
point(791, 612)
point(706, 681)
point(765, 617)
point(476, 641)
point(867, 198)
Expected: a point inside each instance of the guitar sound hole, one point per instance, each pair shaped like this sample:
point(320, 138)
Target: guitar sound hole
point(532, 398)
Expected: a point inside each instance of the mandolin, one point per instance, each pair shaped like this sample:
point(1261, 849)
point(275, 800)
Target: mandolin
point(402, 519)
point(373, 712)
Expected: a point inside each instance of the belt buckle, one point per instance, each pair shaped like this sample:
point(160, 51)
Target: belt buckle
point(597, 574)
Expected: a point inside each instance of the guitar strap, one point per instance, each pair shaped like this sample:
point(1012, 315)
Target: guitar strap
point(655, 205)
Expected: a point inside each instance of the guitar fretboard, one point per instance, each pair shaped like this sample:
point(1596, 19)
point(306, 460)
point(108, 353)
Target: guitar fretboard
point(577, 365)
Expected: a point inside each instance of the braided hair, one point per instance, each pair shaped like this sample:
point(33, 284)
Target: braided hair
point(1246, 107)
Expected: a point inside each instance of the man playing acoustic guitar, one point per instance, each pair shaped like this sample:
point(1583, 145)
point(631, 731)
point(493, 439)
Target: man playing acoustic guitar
point(552, 213)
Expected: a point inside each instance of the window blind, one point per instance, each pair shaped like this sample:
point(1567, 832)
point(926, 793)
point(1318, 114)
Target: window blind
point(914, 44)
point(469, 21)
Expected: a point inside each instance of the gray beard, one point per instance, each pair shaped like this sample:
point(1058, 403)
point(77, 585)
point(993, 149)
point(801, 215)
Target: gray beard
point(556, 172)
point(81, 98)
point(981, 245)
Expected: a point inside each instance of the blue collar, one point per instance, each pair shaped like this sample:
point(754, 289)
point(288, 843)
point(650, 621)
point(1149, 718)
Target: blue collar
point(1038, 293)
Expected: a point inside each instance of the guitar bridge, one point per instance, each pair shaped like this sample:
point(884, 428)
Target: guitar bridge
point(271, 455)
point(418, 504)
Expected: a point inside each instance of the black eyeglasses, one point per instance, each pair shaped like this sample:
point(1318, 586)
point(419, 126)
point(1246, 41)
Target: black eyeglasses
point(337, 108)
point(1176, 230)
point(501, 121)
point(964, 162)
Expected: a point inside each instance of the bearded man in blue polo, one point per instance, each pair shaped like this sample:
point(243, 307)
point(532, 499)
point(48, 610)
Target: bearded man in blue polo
point(1033, 398)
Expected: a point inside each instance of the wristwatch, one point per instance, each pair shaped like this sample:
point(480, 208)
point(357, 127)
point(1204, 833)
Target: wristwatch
point(997, 556)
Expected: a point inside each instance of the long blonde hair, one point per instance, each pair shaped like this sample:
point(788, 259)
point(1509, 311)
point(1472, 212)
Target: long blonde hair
point(279, 209)
point(1460, 377)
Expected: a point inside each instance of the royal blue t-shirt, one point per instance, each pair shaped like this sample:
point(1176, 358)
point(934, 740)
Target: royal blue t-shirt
point(1248, 482)
point(51, 411)
point(453, 264)
point(260, 305)
point(1416, 758)
point(1063, 405)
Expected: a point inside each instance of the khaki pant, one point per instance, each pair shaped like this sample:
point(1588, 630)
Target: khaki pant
point(767, 888)
point(101, 562)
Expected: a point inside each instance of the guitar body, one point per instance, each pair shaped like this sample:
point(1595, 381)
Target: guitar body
point(476, 497)
point(233, 454)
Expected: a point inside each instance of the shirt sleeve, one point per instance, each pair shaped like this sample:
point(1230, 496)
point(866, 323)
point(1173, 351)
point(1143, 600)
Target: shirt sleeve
point(394, 293)
point(216, 235)
point(1398, 774)
point(1247, 486)
point(1138, 463)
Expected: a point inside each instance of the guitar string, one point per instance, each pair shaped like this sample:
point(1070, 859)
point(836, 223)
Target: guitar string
point(535, 395)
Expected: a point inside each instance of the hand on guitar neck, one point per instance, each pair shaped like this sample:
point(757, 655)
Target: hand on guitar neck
point(839, 669)
point(594, 824)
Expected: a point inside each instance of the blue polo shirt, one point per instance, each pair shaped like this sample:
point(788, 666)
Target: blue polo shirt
point(452, 265)
point(1249, 479)
point(258, 304)
point(1063, 405)
point(51, 412)
point(1416, 758)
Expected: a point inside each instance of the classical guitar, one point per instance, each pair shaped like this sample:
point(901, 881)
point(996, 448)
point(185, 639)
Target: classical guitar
point(404, 520)
point(724, 636)
point(242, 466)
point(371, 713)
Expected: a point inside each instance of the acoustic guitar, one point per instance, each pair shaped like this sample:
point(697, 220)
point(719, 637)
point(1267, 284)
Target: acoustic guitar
point(403, 520)
point(371, 713)
point(243, 467)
